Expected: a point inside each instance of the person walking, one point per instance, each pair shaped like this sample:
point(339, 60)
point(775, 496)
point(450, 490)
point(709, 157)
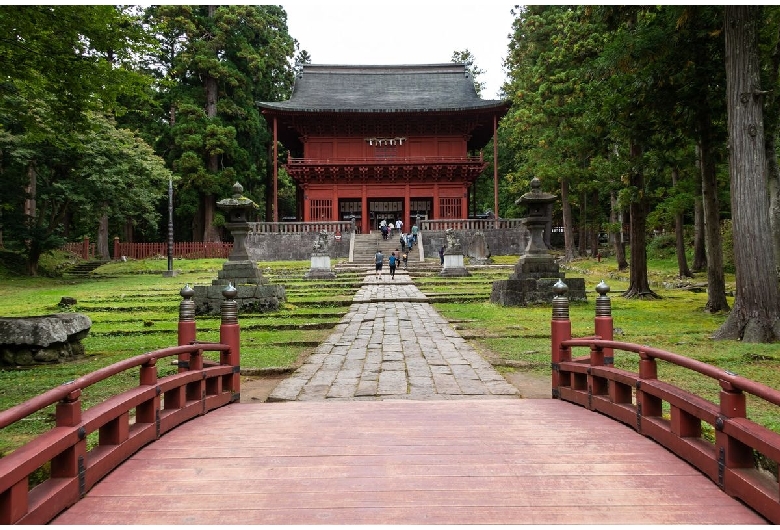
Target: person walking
point(405, 258)
point(403, 242)
point(392, 261)
point(414, 232)
point(409, 241)
point(441, 255)
point(399, 225)
point(378, 258)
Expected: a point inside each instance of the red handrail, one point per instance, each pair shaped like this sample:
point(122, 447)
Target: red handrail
point(159, 405)
point(637, 399)
point(55, 395)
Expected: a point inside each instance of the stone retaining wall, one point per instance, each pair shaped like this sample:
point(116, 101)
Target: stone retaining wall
point(293, 246)
point(501, 242)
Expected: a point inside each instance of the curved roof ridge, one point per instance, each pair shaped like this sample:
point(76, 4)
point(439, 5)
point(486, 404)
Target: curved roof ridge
point(383, 88)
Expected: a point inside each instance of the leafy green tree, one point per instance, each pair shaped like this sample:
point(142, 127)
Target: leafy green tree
point(216, 62)
point(467, 58)
point(60, 64)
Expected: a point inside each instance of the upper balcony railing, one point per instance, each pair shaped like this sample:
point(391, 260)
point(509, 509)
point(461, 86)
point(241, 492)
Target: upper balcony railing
point(400, 160)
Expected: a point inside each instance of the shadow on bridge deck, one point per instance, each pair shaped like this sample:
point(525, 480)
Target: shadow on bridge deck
point(406, 462)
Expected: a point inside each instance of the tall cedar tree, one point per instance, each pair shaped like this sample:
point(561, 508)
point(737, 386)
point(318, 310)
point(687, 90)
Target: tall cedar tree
point(756, 313)
point(217, 62)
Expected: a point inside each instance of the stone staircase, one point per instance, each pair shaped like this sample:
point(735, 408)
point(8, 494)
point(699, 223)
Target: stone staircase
point(83, 269)
point(366, 246)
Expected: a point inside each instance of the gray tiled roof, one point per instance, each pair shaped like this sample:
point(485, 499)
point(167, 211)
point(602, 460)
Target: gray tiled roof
point(394, 88)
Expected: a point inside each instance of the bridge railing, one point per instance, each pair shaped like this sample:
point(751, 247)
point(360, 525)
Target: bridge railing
point(639, 400)
point(124, 423)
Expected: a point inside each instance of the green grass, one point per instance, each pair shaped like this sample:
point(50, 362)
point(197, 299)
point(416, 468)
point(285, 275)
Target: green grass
point(135, 310)
point(675, 323)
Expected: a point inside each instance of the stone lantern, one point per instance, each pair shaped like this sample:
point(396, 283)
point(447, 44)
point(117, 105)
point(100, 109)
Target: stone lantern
point(537, 202)
point(238, 209)
point(536, 271)
point(253, 292)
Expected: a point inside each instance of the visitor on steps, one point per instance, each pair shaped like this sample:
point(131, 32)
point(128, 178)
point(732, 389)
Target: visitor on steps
point(404, 258)
point(378, 258)
point(391, 261)
point(403, 242)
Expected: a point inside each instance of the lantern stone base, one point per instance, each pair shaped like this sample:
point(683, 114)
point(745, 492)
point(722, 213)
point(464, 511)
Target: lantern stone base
point(453, 266)
point(320, 268)
point(254, 293)
point(532, 282)
point(534, 291)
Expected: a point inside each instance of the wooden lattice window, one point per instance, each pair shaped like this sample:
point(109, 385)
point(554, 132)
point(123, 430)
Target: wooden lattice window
point(449, 208)
point(321, 210)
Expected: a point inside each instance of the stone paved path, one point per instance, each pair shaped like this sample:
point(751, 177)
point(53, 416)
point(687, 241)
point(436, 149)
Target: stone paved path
point(392, 344)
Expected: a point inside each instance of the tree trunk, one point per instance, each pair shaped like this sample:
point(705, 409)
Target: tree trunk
point(209, 202)
point(699, 246)
point(716, 280)
point(568, 233)
point(773, 177)
point(756, 313)
point(639, 285)
point(616, 219)
point(582, 238)
point(210, 232)
point(102, 240)
point(679, 235)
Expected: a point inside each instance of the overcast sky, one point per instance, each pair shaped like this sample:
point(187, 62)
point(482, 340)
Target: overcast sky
point(404, 32)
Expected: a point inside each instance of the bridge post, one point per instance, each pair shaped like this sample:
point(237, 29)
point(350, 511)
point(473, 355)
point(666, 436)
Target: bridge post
point(72, 461)
point(146, 412)
point(731, 452)
point(646, 404)
point(560, 330)
point(229, 333)
point(603, 321)
point(187, 326)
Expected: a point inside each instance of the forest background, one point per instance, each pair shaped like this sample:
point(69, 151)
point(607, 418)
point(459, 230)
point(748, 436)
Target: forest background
point(643, 119)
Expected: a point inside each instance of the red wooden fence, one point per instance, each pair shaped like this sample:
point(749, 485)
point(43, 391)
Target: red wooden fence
point(85, 249)
point(184, 249)
point(639, 400)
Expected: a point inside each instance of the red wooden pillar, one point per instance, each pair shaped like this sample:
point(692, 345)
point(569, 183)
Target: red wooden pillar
point(306, 205)
point(276, 172)
point(560, 330)
point(365, 222)
point(407, 209)
point(187, 327)
point(436, 209)
point(495, 166)
point(464, 205)
point(229, 333)
point(335, 213)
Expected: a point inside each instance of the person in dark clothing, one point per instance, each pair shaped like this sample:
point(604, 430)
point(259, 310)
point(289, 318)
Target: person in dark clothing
point(392, 261)
point(441, 255)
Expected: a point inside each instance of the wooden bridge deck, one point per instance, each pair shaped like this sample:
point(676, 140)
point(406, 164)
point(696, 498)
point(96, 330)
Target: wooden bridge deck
point(477, 461)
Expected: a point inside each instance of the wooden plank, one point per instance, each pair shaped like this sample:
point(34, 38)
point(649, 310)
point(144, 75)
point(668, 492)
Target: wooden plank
point(405, 462)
